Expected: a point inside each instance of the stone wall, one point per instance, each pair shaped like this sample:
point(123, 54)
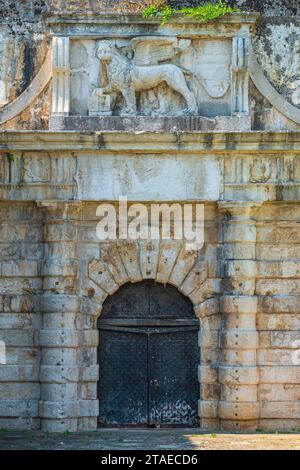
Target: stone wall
point(21, 251)
point(244, 283)
point(55, 274)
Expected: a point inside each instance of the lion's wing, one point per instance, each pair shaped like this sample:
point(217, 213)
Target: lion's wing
point(151, 50)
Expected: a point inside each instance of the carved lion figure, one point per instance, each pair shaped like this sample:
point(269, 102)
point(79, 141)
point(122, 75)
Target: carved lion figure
point(127, 78)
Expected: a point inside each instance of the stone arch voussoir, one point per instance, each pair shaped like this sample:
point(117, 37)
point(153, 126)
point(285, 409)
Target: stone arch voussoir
point(164, 261)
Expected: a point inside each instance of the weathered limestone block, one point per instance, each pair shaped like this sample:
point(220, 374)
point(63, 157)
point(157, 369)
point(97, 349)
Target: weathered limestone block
point(284, 269)
point(240, 425)
point(19, 391)
point(64, 410)
point(208, 374)
point(28, 356)
point(99, 295)
point(278, 321)
point(53, 303)
point(102, 276)
point(16, 321)
point(209, 391)
point(168, 252)
point(209, 339)
point(56, 321)
point(278, 304)
point(149, 253)
point(239, 340)
point(20, 269)
point(244, 251)
point(19, 373)
point(110, 255)
point(207, 308)
point(247, 321)
point(89, 338)
point(19, 408)
point(59, 356)
point(87, 424)
point(20, 285)
point(212, 322)
point(19, 424)
point(88, 408)
point(87, 250)
point(243, 393)
point(279, 424)
point(273, 233)
point(89, 390)
point(278, 286)
point(89, 373)
point(68, 390)
point(59, 338)
point(280, 410)
point(130, 258)
point(210, 356)
point(20, 338)
point(280, 357)
point(246, 267)
point(208, 409)
point(246, 375)
point(280, 374)
point(279, 392)
point(240, 411)
point(210, 288)
point(243, 357)
point(183, 266)
point(195, 278)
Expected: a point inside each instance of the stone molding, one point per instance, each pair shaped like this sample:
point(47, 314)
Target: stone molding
point(158, 142)
point(35, 88)
point(268, 91)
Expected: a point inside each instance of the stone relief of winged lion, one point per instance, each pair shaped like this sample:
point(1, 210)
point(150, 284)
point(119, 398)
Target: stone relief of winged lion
point(145, 70)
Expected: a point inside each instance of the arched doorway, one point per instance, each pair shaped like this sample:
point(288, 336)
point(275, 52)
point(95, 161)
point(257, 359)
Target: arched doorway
point(148, 358)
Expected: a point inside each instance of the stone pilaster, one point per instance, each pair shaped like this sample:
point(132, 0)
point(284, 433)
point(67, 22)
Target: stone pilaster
point(59, 337)
point(238, 373)
point(209, 314)
point(61, 76)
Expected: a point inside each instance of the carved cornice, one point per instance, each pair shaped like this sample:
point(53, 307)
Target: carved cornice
point(62, 210)
point(239, 210)
point(206, 143)
point(90, 17)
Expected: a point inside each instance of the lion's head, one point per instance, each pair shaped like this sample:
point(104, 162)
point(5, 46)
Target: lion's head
point(104, 50)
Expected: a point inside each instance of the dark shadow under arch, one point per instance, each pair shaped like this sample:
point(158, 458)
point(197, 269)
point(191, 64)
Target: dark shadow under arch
point(147, 299)
point(148, 357)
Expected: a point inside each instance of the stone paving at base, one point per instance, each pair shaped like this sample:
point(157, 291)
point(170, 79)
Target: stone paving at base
point(157, 439)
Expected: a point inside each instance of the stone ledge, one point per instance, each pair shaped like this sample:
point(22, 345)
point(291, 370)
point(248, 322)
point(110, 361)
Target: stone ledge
point(151, 142)
point(151, 123)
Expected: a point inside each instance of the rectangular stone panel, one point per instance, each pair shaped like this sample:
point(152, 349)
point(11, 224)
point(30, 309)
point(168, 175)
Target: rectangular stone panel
point(148, 177)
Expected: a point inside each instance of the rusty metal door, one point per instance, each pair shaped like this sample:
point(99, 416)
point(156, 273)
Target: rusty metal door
point(148, 358)
point(173, 382)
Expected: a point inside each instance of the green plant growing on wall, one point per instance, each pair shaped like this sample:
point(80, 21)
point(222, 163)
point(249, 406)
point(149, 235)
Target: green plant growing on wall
point(202, 13)
point(10, 157)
